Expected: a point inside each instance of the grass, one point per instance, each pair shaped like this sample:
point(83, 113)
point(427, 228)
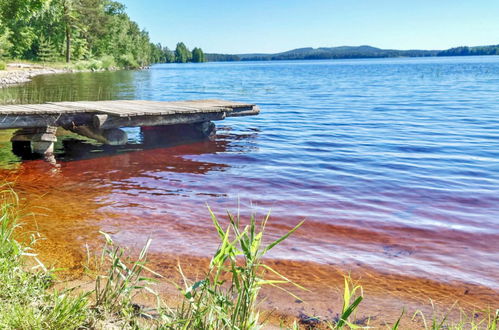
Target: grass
point(105, 62)
point(226, 297)
point(25, 298)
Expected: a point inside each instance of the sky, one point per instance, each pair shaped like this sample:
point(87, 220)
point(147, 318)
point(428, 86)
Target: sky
point(269, 26)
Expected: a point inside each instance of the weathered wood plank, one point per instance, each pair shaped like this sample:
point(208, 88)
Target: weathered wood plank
point(36, 120)
point(114, 122)
point(113, 114)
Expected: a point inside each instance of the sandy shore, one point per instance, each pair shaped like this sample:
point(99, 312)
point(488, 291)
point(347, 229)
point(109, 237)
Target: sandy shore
point(19, 73)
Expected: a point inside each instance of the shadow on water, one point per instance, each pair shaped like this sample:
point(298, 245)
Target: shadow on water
point(144, 147)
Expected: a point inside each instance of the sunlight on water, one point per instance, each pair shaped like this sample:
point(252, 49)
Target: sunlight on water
point(393, 162)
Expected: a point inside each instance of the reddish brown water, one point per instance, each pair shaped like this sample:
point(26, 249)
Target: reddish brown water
point(120, 194)
point(392, 163)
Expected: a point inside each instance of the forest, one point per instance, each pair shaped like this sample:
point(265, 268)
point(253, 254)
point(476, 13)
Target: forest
point(97, 32)
point(349, 52)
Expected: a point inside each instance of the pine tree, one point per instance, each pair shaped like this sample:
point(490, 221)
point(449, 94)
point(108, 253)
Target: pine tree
point(46, 50)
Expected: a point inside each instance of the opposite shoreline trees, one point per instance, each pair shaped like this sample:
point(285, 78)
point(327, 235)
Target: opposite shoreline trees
point(183, 54)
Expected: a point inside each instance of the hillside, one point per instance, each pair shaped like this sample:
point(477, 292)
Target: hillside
point(346, 52)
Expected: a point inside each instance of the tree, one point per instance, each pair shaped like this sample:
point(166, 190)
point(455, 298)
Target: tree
point(5, 43)
point(197, 55)
point(79, 29)
point(169, 55)
point(182, 54)
point(46, 50)
point(17, 16)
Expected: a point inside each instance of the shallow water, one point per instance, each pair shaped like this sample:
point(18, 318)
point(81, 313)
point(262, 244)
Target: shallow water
point(392, 162)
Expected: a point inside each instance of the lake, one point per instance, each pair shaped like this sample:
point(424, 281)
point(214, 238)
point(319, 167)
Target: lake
point(393, 163)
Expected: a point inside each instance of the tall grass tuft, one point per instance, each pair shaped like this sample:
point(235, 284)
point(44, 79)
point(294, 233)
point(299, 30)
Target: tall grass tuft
point(25, 302)
point(352, 297)
point(114, 290)
point(487, 320)
point(227, 296)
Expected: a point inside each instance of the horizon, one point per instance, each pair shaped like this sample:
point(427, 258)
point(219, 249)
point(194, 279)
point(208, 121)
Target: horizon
point(226, 27)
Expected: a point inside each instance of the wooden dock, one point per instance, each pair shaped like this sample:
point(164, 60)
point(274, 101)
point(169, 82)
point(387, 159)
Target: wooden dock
point(102, 120)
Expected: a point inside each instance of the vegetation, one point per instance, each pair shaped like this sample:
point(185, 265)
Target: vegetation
point(470, 51)
point(222, 58)
point(75, 30)
point(226, 298)
point(347, 52)
point(183, 54)
point(197, 55)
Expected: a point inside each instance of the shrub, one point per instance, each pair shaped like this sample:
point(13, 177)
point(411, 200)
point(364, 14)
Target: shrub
point(128, 61)
point(3, 65)
point(108, 62)
point(95, 65)
point(88, 65)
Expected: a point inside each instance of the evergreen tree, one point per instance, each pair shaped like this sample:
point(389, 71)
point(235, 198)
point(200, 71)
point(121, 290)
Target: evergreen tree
point(46, 50)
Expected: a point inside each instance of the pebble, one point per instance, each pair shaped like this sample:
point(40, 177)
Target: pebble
point(9, 78)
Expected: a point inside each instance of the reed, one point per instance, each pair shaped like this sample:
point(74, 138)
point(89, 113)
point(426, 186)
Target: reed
point(227, 296)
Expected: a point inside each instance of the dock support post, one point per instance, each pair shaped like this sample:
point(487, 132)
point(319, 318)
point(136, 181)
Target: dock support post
point(111, 136)
point(175, 134)
point(206, 128)
point(41, 139)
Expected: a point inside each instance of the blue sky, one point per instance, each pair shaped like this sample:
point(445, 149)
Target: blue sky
point(237, 26)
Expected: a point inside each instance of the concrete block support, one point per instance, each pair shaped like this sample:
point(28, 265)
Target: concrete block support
point(41, 139)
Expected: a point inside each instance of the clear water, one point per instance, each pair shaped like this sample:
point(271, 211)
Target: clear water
point(394, 163)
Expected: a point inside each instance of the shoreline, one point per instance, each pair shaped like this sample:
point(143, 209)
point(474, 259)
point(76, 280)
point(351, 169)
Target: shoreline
point(386, 295)
point(18, 73)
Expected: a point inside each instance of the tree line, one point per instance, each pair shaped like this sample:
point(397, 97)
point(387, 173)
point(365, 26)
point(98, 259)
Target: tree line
point(346, 52)
point(471, 51)
point(182, 54)
point(81, 30)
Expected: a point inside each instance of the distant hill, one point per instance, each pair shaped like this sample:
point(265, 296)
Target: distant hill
point(346, 52)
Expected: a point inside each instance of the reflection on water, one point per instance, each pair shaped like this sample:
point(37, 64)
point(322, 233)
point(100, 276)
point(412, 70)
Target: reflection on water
point(393, 163)
point(88, 86)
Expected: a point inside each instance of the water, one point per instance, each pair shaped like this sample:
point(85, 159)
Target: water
point(392, 162)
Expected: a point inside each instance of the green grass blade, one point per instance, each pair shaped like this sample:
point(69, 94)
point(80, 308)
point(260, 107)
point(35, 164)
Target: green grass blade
point(282, 238)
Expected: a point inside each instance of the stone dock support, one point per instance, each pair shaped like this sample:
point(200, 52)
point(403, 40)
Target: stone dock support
point(40, 139)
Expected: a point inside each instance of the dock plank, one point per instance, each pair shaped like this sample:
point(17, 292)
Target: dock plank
point(127, 111)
